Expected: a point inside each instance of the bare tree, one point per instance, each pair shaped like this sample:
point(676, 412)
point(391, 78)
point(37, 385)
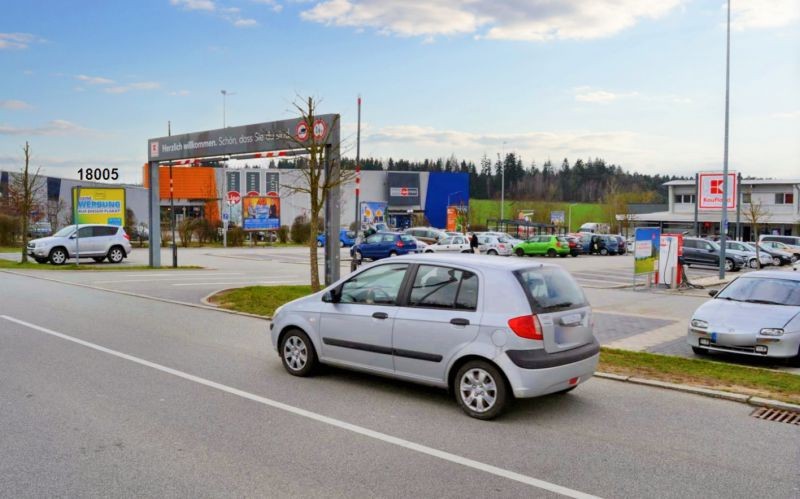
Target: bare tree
point(23, 194)
point(756, 214)
point(313, 180)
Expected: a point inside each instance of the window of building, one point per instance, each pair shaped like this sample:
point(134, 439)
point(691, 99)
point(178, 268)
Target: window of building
point(784, 198)
point(684, 198)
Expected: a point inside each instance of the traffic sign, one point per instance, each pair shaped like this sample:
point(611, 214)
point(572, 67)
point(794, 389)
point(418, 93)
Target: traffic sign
point(320, 129)
point(301, 131)
point(225, 217)
point(234, 198)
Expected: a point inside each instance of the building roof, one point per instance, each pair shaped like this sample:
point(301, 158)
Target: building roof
point(745, 181)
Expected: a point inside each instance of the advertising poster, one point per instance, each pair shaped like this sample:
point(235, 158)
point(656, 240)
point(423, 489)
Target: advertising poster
point(252, 182)
point(261, 213)
point(452, 218)
point(372, 213)
point(403, 188)
point(99, 205)
point(557, 217)
point(646, 249)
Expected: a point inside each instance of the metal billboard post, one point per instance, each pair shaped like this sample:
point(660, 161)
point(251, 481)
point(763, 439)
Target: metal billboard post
point(77, 227)
point(154, 212)
point(723, 226)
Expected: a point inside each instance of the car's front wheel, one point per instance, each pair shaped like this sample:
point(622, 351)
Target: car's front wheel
point(753, 263)
point(116, 254)
point(603, 251)
point(297, 354)
point(491, 252)
point(729, 266)
point(480, 390)
point(519, 252)
point(58, 256)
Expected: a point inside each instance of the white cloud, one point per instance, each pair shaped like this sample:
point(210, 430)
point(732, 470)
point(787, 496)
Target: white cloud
point(144, 85)
point(14, 105)
point(787, 115)
point(180, 93)
point(245, 23)
point(17, 40)
point(54, 127)
point(95, 80)
point(598, 96)
point(527, 20)
point(207, 5)
point(759, 14)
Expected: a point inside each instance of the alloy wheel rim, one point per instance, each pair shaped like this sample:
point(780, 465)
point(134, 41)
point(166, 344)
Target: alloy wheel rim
point(478, 390)
point(295, 353)
point(58, 257)
point(116, 255)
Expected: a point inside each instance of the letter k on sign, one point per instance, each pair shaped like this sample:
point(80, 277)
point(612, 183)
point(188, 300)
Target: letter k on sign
point(716, 186)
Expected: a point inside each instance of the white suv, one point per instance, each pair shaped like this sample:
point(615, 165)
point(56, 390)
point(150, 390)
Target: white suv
point(92, 241)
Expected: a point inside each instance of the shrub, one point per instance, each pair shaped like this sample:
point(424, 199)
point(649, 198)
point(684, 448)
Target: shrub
point(235, 236)
point(301, 230)
point(9, 230)
point(186, 230)
point(283, 234)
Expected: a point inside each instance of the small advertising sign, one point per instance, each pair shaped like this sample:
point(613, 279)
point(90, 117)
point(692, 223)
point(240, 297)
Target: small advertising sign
point(557, 217)
point(452, 218)
point(99, 205)
point(261, 213)
point(710, 191)
point(646, 250)
point(372, 213)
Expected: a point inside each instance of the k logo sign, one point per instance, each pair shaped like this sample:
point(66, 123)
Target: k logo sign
point(716, 186)
point(153, 149)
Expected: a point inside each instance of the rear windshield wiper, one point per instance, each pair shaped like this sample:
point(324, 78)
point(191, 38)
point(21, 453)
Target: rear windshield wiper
point(558, 305)
point(765, 302)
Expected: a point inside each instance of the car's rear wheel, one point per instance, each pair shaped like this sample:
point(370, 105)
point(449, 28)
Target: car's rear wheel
point(431, 251)
point(480, 390)
point(491, 252)
point(41, 260)
point(58, 256)
point(297, 354)
point(551, 252)
point(729, 264)
point(776, 261)
point(116, 254)
point(392, 253)
point(519, 252)
point(603, 251)
point(98, 259)
point(753, 263)
point(700, 351)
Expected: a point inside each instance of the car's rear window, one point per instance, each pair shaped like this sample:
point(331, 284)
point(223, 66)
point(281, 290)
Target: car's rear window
point(550, 289)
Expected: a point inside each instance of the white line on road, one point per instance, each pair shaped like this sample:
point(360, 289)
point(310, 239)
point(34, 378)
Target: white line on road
point(383, 437)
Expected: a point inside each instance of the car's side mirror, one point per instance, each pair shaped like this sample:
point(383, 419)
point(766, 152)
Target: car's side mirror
point(331, 296)
point(73, 236)
point(713, 292)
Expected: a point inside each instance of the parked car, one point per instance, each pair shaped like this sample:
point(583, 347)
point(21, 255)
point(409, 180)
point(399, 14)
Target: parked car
point(452, 244)
point(429, 235)
point(492, 245)
point(489, 329)
point(622, 248)
point(575, 245)
point(346, 238)
point(750, 254)
point(757, 314)
point(599, 244)
point(384, 245)
point(543, 245)
point(503, 237)
point(698, 251)
point(787, 248)
point(790, 240)
point(779, 258)
point(92, 241)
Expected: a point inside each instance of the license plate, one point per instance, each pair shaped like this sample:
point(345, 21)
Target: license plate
point(714, 337)
point(571, 319)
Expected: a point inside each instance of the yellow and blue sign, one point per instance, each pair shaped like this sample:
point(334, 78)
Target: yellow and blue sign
point(99, 205)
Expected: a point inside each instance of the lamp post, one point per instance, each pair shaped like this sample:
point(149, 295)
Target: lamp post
point(723, 225)
point(503, 183)
point(569, 216)
point(225, 94)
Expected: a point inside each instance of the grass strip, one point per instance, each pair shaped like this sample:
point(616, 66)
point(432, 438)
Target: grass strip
point(703, 373)
point(106, 267)
point(259, 300)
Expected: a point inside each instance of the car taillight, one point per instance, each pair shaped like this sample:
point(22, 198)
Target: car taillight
point(399, 244)
point(501, 246)
point(527, 326)
point(558, 244)
point(126, 236)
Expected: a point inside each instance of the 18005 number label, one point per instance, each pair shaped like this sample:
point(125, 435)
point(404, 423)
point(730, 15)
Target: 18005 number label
point(99, 174)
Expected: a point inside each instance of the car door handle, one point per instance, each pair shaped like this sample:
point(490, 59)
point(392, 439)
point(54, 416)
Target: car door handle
point(459, 322)
point(380, 315)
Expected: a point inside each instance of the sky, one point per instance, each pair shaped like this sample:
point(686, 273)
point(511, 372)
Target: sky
point(640, 84)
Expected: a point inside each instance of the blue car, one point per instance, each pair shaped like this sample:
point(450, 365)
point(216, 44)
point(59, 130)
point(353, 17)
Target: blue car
point(383, 245)
point(346, 238)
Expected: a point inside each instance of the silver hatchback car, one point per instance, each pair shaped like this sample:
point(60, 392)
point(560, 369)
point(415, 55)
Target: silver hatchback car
point(486, 328)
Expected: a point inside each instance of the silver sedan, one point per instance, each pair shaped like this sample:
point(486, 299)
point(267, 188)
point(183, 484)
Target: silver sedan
point(758, 314)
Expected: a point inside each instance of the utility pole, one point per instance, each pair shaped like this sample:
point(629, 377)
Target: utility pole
point(358, 168)
point(171, 207)
point(723, 229)
point(503, 183)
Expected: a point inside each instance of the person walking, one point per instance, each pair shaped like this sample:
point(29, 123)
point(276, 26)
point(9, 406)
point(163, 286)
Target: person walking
point(473, 243)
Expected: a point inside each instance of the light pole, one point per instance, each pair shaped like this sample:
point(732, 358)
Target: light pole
point(503, 183)
point(569, 216)
point(723, 225)
point(224, 93)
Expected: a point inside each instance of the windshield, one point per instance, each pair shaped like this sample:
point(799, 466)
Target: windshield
point(550, 289)
point(69, 229)
point(765, 290)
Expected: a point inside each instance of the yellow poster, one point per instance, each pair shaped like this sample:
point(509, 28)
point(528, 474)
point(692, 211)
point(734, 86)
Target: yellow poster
point(99, 205)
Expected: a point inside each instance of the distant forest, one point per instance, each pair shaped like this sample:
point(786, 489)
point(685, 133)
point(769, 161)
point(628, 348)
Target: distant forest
point(590, 181)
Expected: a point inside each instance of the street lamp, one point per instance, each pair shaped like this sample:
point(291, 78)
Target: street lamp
point(224, 93)
point(723, 225)
point(569, 216)
point(503, 183)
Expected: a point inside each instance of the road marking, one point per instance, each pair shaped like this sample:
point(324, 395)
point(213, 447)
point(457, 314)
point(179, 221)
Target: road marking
point(383, 437)
point(181, 274)
point(237, 282)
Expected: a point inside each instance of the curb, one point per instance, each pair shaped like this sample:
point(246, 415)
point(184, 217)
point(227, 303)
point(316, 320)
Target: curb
point(137, 295)
point(707, 392)
point(206, 300)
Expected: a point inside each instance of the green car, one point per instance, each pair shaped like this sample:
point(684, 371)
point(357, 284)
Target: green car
point(543, 245)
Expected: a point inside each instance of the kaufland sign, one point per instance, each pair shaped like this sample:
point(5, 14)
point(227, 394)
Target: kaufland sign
point(710, 191)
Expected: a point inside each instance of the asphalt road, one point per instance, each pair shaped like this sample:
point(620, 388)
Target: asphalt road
point(109, 395)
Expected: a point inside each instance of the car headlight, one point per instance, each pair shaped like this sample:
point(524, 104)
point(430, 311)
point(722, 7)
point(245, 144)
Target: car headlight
point(697, 323)
point(772, 331)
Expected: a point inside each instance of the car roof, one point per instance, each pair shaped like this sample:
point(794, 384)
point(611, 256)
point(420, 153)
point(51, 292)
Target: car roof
point(789, 275)
point(486, 262)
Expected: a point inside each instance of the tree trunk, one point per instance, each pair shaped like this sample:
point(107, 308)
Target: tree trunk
point(26, 204)
point(312, 244)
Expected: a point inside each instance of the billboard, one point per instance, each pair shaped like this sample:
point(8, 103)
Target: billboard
point(710, 191)
point(647, 244)
point(403, 188)
point(252, 183)
point(261, 213)
point(273, 184)
point(452, 218)
point(372, 212)
point(99, 205)
point(557, 217)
